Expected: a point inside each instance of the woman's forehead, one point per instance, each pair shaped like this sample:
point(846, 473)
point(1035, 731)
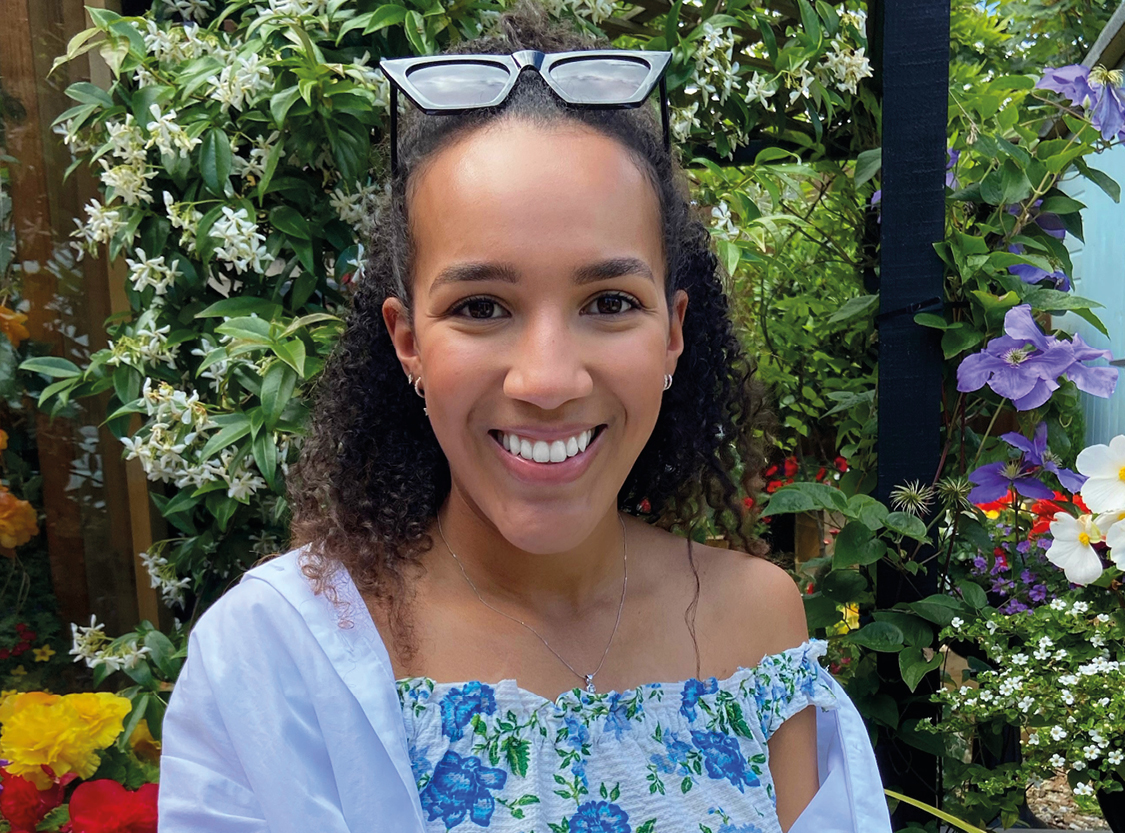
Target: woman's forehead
point(535, 189)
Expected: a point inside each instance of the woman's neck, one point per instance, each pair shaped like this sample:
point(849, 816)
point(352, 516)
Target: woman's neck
point(553, 585)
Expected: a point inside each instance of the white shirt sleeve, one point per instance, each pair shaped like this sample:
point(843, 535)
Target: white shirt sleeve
point(850, 798)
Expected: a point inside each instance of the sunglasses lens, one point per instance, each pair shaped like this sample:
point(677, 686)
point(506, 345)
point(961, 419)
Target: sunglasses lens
point(460, 84)
point(601, 81)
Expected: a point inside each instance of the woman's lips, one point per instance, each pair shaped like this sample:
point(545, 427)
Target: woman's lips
point(561, 471)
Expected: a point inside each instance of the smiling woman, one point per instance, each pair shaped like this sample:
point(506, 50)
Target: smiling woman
point(538, 382)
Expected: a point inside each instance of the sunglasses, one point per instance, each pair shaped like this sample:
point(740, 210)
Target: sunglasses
point(594, 79)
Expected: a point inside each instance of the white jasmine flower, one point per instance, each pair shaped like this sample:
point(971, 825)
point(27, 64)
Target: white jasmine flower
point(167, 135)
point(1072, 548)
point(1104, 466)
point(682, 120)
point(241, 83)
point(127, 143)
point(723, 227)
point(150, 271)
point(761, 90)
point(128, 182)
point(242, 245)
point(849, 66)
point(196, 10)
point(102, 223)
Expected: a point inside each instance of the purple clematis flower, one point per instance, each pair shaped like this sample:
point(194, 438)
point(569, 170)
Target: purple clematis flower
point(993, 480)
point(1036, 453)
point(1098, 381)
point(1033, 274)
point(1099, 90)
point(1022, 365)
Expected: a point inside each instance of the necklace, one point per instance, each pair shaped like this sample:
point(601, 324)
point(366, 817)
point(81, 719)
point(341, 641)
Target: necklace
point(588, 678)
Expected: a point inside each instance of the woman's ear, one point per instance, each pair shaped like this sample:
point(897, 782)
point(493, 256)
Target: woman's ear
point(676, 330)
point(401, 330)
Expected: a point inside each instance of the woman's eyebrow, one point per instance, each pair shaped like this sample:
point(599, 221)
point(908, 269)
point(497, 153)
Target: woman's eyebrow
point(602, 270)
point(615, 267)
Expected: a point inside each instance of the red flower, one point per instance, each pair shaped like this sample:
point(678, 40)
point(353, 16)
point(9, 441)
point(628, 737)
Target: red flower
point(791, 466)
point(748, 503)
point(997, 505)
point(841, 464)
point(770, 472)
point(104, 806)
point(23, 805)
point(21, 627)
point(773, 486)
point(820, 474)
point(5, 653)
point(645, 506)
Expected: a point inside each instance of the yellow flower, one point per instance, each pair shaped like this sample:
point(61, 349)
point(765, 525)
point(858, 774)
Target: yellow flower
point(11, 325)
point(3, 439)
point(43, 654)
point(18, 520)
point(63, 733)
point(19, 671)
point(851, 616)
point(144, 745)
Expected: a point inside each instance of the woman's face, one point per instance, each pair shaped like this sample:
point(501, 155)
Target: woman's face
point(540, 328)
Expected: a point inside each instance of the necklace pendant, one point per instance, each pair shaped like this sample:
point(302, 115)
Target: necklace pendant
point(590, 684)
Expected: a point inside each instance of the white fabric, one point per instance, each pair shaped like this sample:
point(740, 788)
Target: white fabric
point(286, 718)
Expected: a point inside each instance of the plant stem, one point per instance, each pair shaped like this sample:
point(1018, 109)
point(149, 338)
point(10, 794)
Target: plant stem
point(988, 431)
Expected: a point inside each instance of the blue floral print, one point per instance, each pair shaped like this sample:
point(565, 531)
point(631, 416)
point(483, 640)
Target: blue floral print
point(723, 758)
point(460, 704)
point(659, 758)
point(460, 787)
point(600, 817)
point(693, 690)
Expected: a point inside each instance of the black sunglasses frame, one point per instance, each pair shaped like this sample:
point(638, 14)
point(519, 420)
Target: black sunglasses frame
point(397, 72)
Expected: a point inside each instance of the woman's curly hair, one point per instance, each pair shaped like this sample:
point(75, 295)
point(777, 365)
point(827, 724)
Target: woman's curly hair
point(372, 476)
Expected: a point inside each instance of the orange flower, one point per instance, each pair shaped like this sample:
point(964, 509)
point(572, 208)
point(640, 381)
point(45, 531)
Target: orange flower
point(11, 324)
point(18, 520)
point(3, 439)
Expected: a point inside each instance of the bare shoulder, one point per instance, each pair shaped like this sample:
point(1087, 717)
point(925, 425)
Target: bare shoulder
point(752, 600)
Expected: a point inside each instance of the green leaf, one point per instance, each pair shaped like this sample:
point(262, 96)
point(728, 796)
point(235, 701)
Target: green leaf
point(938, 608)
point(256, 330)
point(233, 432)
point(390, 14)
point(934, 811)
point(265, 455)
point(1061, 205)
point(974, 595)
point(878, 636)
point(906, 524)
point(959, 338)
point(820, 611)
point(517, 754)
point(789, 500)
point(280, 104)
point(293, 354)
point(86, 93)
point(127, 383)
point(810, 22)
point(1006, 185)
point(928, 319)
point(867, 164)
point(1102, 180)
point(215, 161)
point(290, 222)
point(161, 650)
point(52, 366)
point(1052, 300)
point(277, 389)
point(913, 665)
point(853, 308)
point(241, 305)
point(136, 714)
point(183, 501)
point(916, 631)
point(270, 168)
point(866, 509)
point(855, 545)
point(843, 586)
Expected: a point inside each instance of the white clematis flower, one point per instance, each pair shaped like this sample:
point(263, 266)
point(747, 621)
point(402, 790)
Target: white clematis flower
point(1072, 548)
point(1104, 465)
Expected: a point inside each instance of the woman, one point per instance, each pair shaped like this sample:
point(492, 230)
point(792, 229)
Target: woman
point(538, 378)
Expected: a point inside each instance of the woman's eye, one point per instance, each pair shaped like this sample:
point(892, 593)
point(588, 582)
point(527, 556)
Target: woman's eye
point(479, 309)
point(612, 304)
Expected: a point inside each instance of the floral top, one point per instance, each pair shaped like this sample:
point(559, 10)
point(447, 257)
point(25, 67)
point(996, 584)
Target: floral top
point(659, 758)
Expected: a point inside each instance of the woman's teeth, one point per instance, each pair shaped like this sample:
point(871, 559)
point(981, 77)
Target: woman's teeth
point(541, 451)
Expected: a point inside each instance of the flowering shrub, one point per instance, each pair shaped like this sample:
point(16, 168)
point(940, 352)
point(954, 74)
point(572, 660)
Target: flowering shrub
point(48, 742)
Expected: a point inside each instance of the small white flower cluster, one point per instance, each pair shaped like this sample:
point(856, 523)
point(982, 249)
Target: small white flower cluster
point(148, 271)
point(716, 72)
point(164, 578)
point(682, 120)
point(145, 344)
point(195, 10)
point(243, 246)
point(371, 77)
point(723, 225)
point(169, 444)
point(848, 65)
point(295, 7)
point(255, 165)
point(128, 182)
point(92, 646)
point(355, 209)
point(595, 11)
point(761, 90)
point(167, 135)
point(241, 83)
point(185, 217)
point(102, 223)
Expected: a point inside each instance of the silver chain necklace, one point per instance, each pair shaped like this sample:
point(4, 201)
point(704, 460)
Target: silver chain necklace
point(588, 678)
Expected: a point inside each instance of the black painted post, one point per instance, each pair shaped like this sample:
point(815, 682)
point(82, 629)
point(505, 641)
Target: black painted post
point(911, 46)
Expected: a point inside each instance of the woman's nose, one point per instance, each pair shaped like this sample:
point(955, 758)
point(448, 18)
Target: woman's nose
point(549, 365)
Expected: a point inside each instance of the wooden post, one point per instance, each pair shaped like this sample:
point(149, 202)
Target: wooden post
point(911, 46)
